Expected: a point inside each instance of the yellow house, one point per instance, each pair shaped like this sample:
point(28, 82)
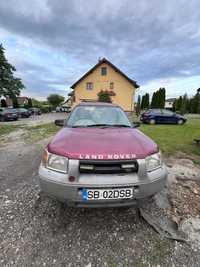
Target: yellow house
point(104, 76)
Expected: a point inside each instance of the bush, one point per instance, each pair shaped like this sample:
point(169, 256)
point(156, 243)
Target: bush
point(105, 96)
point(3, 103)
point(45, 109)
point(55, 100)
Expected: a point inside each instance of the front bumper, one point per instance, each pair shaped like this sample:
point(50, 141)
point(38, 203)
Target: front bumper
point(145, 119)
point(11, 118)
point(144, 185)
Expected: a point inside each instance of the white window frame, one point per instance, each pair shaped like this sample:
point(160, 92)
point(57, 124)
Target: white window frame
point(111, 87)
point(89, 86)
point(105, 71)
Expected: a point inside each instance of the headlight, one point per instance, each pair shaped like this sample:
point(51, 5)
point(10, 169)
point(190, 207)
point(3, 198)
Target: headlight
point(153, 162)
point(55, 162)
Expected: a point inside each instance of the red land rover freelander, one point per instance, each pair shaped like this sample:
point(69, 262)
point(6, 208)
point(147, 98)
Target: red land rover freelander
point(100, 159)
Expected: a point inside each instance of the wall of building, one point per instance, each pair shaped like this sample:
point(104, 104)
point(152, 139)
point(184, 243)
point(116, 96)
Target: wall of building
point(124, 90)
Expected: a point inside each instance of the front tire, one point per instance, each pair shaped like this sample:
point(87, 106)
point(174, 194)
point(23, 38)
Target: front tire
point(152, 122)
point(180, 122)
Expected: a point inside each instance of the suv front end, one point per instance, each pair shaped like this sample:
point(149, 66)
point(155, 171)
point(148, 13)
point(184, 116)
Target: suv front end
point(73, 177)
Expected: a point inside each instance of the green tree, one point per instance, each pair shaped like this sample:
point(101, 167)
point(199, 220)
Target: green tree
point(15, 102)
point(153, 100)
point(162, 97)
point(29, 104)
point(183, 105)
point(197, 101)
point(138, 106)
point(3, 103)
point(9, 85)
point(188, 103)
point(36, 103)
point(158, 98)
point(145, 101)
point(55, 100)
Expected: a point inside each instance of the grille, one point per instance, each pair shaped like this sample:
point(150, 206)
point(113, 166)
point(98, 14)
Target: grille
point(109, 166)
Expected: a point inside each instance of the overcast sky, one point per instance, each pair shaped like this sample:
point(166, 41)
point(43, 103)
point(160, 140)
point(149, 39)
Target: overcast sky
point(52, 43)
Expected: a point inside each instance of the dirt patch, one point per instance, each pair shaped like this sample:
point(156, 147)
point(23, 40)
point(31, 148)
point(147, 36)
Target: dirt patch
point(185, 199)
point(12, 138)
point(184, 188)
point(183, 169)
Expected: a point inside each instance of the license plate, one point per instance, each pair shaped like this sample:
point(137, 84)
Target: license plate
point(107, 194)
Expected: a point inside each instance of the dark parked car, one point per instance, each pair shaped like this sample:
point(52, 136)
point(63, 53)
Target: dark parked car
point(23, 113)
point(8, 114)
point(63, 109)
point(35, 111)
point(153, 116)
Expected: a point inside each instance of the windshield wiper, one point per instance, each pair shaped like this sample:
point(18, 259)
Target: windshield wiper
point(79, 126)
point(89, 125)
point(98, 125)
point(120, 125)
point(108, 125)
point(103, 125)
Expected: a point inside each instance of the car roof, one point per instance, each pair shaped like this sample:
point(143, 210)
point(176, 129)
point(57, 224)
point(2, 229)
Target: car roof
point(97, 104)
point(153, 109)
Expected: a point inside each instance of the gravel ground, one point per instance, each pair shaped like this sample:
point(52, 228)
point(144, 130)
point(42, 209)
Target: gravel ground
point(38, 231)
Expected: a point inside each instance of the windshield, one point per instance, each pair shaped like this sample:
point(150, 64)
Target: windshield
point(94, 116)
point(8, 110)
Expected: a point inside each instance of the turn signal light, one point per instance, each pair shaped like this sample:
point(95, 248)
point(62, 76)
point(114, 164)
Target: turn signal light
point(44, 157)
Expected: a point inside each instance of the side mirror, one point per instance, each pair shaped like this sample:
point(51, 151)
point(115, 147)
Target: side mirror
point(59, 122)
point(136, 124)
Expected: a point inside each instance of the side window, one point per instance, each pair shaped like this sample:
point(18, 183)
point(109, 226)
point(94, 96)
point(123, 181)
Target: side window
point(167, 112)
point(156, 112)
point(111, 85)
point(89, 86)
point(103, 71)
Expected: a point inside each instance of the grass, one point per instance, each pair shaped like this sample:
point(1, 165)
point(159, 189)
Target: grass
point(175, 139)
point(39, 132)
point(6, 129)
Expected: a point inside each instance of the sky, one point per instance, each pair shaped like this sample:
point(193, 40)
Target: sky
point(53, 43)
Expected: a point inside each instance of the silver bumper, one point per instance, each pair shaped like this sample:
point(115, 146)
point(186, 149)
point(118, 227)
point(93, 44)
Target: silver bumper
point(144, 184)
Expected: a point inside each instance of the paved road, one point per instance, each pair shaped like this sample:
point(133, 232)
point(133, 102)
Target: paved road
point(36, 120)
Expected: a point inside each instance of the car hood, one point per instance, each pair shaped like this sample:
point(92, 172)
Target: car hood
point(97, 143)
point(180, 116)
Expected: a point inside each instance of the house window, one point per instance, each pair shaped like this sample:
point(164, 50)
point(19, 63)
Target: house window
point(89, 86)
point(103, 71)
point(111, 85)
